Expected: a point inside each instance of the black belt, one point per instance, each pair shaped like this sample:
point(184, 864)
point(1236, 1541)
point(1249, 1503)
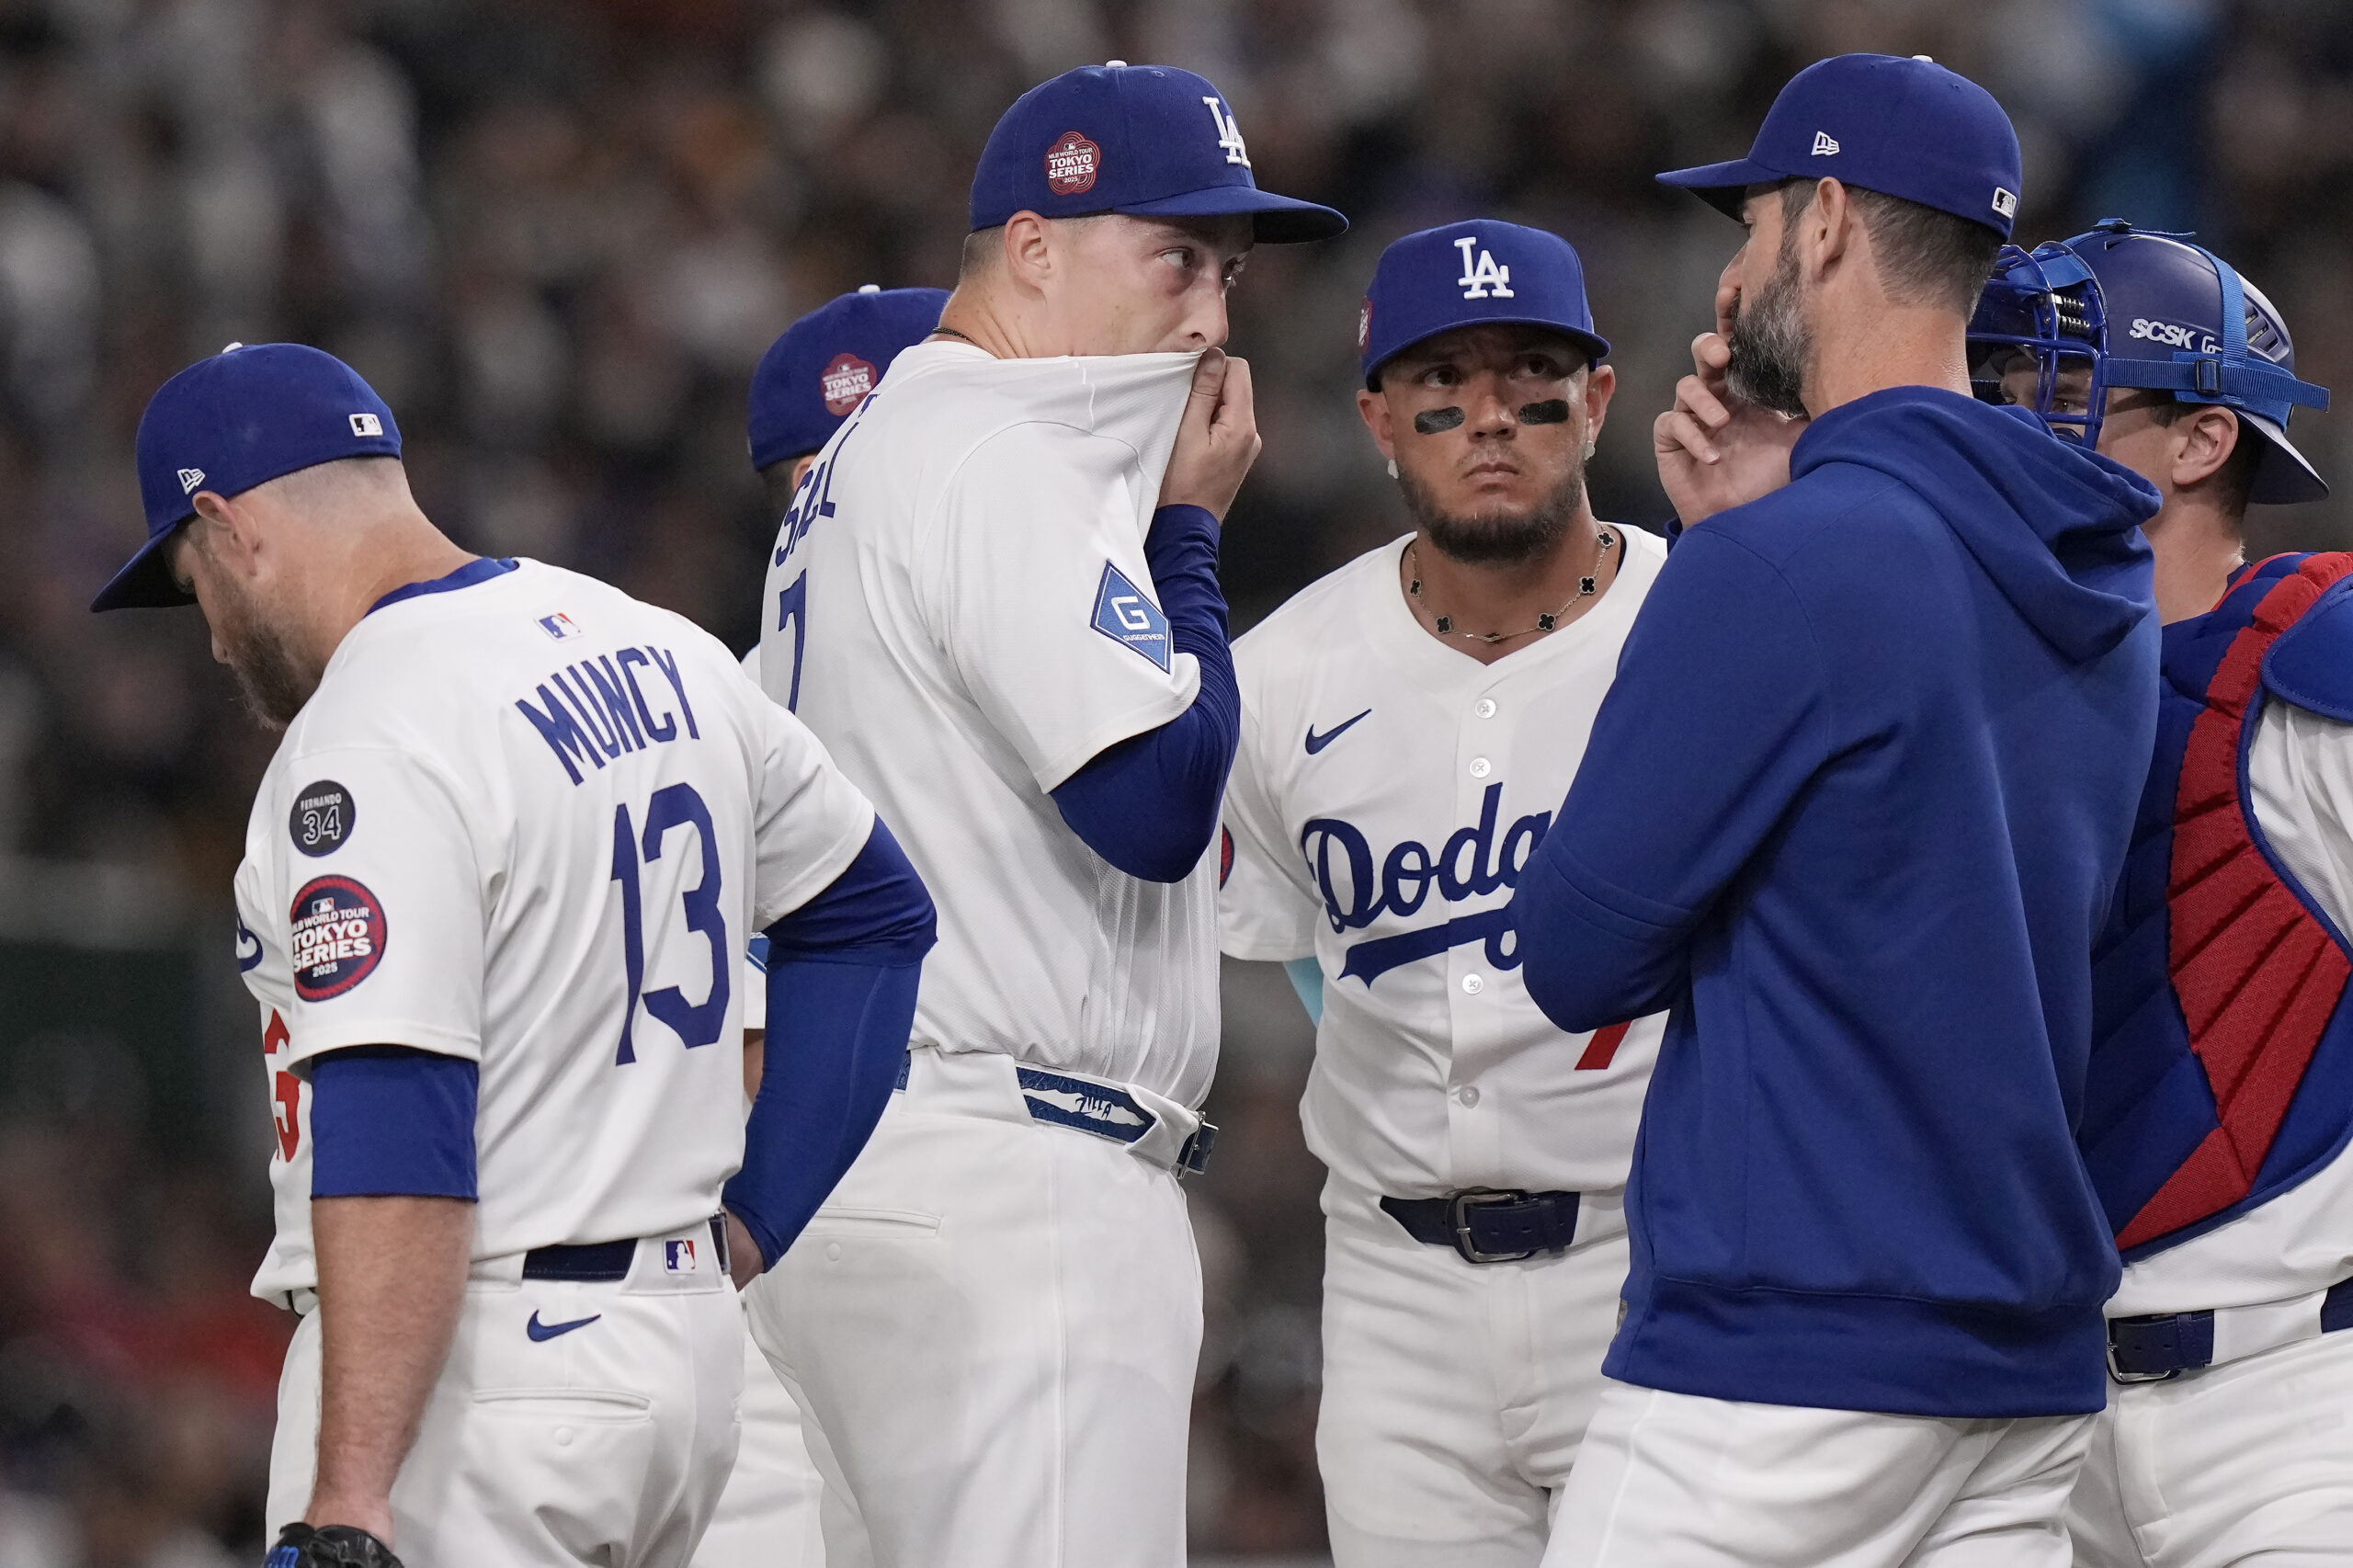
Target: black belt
point(604, 1262)
point(2166, 1345)
point(1489, 1226)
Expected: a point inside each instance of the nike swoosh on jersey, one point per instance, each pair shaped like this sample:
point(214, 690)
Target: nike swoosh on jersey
point(539, 1330)
point(1316, 742)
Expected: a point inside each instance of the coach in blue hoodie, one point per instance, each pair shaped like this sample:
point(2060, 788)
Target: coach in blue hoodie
point(1853, 810)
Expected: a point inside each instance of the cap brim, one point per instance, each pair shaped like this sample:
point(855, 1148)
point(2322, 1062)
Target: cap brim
point(1596, 346)
point(2282, 476)
point(145, 581)
point(1724, 185)
point(1276, 219)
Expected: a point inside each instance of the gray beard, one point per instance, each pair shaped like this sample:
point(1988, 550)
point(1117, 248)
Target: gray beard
point(1770, 345)
point(1497, 539)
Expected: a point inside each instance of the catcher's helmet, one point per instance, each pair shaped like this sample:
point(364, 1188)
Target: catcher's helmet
point(2121, 307)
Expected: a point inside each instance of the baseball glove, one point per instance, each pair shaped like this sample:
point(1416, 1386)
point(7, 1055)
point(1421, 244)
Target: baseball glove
point(335, 1546)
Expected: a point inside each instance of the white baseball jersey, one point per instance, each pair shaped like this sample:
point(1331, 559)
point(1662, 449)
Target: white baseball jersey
point(959, 607)
point(530, 822)
point(1387, 792)
point(2299, 777)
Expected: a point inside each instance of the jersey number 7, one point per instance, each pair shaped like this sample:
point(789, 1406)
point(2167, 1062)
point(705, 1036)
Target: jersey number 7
point(696, 1023)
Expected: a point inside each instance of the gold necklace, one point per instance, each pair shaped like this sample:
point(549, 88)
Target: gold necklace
point(1588, 585)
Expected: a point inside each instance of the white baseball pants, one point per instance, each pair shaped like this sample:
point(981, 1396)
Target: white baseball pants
point(1456, 1395)
point(993, 1327)
point(605, 1445)
point(1676, 1479)
point(2247, 1463)
point(768, 1514)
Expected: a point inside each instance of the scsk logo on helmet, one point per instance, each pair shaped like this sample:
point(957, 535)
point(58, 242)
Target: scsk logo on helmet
point(1485, 278)
point(1228, 134)
point(2173, 335)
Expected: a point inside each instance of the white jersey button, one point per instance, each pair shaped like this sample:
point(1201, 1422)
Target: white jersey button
point(1472, 984)
point(1485, 707)
point(1481, 768)
point(1468, 1094)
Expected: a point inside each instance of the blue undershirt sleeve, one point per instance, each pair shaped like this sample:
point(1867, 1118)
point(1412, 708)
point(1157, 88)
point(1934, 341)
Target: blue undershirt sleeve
point(1307, 978)
point(1149, 804)
point(392, 1120)
point(843, 970)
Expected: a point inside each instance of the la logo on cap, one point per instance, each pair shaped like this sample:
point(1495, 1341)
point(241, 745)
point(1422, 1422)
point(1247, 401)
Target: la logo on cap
point(845, 384)
point(1072, 165)
point(1485, 278)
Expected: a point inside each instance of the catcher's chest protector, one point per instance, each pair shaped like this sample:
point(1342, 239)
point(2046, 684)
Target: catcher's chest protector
point(2222, 1067)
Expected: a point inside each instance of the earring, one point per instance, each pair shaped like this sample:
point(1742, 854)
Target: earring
point(1588, 447)
point(1392, 468)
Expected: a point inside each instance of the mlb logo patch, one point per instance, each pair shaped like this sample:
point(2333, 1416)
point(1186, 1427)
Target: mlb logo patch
point(1123, 614)
point(559, 626)
point(366, 425)
point(2006, 202)
point(678, 1257)
point(845, 384)
point(1072, 163)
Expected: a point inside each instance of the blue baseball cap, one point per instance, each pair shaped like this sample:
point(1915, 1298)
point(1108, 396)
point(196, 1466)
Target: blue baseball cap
point(813, 376)
point(1903, 126)
point(244, 417)
point(1484, 271)
point(1147, 141)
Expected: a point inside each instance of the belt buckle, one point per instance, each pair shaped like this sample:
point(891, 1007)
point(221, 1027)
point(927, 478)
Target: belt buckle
point(1194, 1157)
point(1457, 1222)
point(2119, 1373)
point(2121, 1376)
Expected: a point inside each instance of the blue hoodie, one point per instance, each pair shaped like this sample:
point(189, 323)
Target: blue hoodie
point(1853, 809)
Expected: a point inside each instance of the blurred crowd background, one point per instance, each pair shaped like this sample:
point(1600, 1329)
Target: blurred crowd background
point(556, 235)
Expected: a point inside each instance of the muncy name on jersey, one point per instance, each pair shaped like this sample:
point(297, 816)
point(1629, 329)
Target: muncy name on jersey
point(596, 709)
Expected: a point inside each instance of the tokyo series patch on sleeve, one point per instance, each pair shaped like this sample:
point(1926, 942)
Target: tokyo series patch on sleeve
point(1125, 615)
point(337, 937)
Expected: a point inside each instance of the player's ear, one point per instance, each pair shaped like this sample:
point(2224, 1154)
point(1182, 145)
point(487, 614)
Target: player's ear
point(1373, 409)
point(1029, 250)
point(1601, 386)
point(1827, 228)
point(232, 536)
point(2204, 442)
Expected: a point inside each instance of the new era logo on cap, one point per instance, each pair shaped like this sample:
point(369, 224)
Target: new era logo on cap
point(1824, 144)
point(189, 478)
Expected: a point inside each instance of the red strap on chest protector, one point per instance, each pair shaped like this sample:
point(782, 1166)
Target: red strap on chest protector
point(2257, 974)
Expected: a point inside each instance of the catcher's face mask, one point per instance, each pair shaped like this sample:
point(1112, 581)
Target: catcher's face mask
point(2037, 340)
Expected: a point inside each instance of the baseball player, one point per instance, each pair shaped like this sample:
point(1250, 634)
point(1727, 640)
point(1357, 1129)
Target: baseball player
point(1407, 725)
point(1854, 809)
point(496, 885)
point(2220, 1093)
point(995, 598)
point(805, 385)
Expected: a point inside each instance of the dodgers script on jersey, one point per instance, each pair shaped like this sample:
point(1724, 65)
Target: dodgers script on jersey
point(527, 820)
point(1433, 1072)
point(959, 607)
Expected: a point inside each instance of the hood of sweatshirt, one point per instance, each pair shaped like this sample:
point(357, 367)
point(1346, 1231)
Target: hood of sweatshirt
point(2057, 527)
